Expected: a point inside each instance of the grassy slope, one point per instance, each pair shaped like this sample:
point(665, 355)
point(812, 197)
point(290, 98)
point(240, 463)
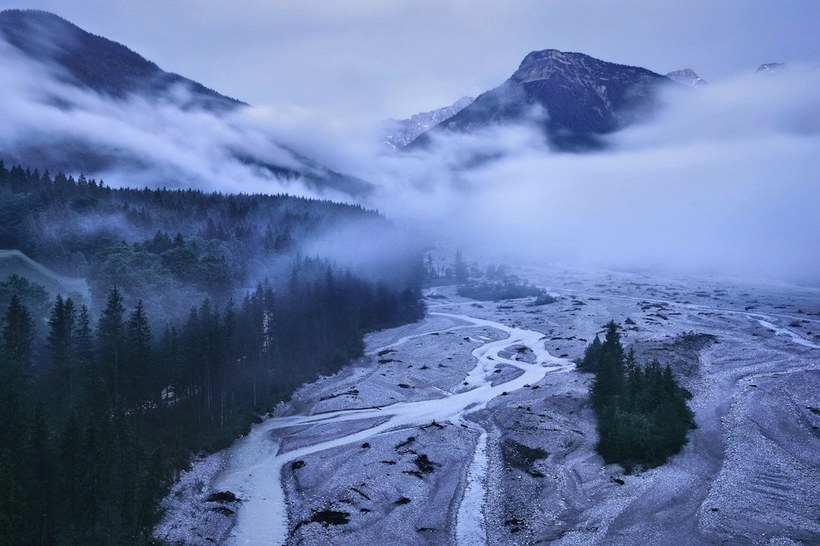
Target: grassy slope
point(15, 262)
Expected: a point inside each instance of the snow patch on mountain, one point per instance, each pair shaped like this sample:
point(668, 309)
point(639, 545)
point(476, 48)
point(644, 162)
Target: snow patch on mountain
point(403, 131)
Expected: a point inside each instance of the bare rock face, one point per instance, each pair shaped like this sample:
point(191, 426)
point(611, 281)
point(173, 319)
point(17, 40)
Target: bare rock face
point(770, 67)
point(403, 131)
point(686, 76)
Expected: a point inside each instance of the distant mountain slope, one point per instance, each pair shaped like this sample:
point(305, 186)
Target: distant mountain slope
point(176, 127)
point(581, 98)
point(96, 62)
point(403, 131)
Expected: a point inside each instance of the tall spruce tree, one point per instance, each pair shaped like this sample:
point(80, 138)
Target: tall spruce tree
point(83, 356)
point(592, 356)
point(60, 341)
point(15, 370)
point(18, 335)
point(15, 364)
point(609, 376)
point(111, 343)
point(460, 272)
point(39, 474)
point(136, 372)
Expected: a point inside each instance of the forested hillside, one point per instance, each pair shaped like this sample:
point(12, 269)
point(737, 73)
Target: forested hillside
point(170, 247)
point(203, 313)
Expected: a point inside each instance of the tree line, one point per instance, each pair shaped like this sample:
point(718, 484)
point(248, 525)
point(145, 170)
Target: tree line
point(642, 413)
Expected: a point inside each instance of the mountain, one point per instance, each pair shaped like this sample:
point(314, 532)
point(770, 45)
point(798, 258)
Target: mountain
point(94, 62)
point(579, 99)
point(686, 76)
point(136, 97)
point(403, 131)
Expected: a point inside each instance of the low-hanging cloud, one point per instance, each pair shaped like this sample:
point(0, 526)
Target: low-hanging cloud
point(723, 180)
point(138, 140)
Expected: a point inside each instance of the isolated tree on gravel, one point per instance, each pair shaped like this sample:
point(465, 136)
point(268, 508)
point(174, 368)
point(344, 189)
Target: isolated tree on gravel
point(642, 413)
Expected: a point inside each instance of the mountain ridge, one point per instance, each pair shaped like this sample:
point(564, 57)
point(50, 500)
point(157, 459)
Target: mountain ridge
point(96, 62)
point(111, 70)
point(583, 98)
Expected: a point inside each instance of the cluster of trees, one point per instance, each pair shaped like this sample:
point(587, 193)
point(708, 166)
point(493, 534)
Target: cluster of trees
point(457, 272)
point(643, 417)
point(166, 270)
point(32, 295)
point(503, 291)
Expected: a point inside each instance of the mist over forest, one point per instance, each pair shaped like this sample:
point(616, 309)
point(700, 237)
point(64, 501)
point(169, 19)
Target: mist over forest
point(657, 195)
point(168, 276)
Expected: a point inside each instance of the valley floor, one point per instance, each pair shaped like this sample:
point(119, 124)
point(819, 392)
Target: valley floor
point(472, 427)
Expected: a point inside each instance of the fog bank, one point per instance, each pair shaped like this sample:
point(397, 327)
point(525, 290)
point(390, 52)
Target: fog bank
point(722, 181)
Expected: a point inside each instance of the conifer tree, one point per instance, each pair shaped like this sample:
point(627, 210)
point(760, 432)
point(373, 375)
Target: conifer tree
point(15, 364)
point(39, 475)
point(460, 272)
point(12, 501)
point(592, 356)
point(83, 355)
point(60, 340)
point(18, 336)
point(15, 368)
point(111, 341)
point(68, 466)
point(137, 361)
point(609, 378)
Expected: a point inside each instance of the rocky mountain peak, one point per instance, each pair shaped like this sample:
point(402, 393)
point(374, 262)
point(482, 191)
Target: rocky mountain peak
point(770, 67)
point(686, 76)
point(401, 132)
point(547, 56)
point(541, 65)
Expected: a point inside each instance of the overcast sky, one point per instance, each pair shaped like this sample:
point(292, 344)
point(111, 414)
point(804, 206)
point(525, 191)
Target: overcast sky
point(359, 61)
